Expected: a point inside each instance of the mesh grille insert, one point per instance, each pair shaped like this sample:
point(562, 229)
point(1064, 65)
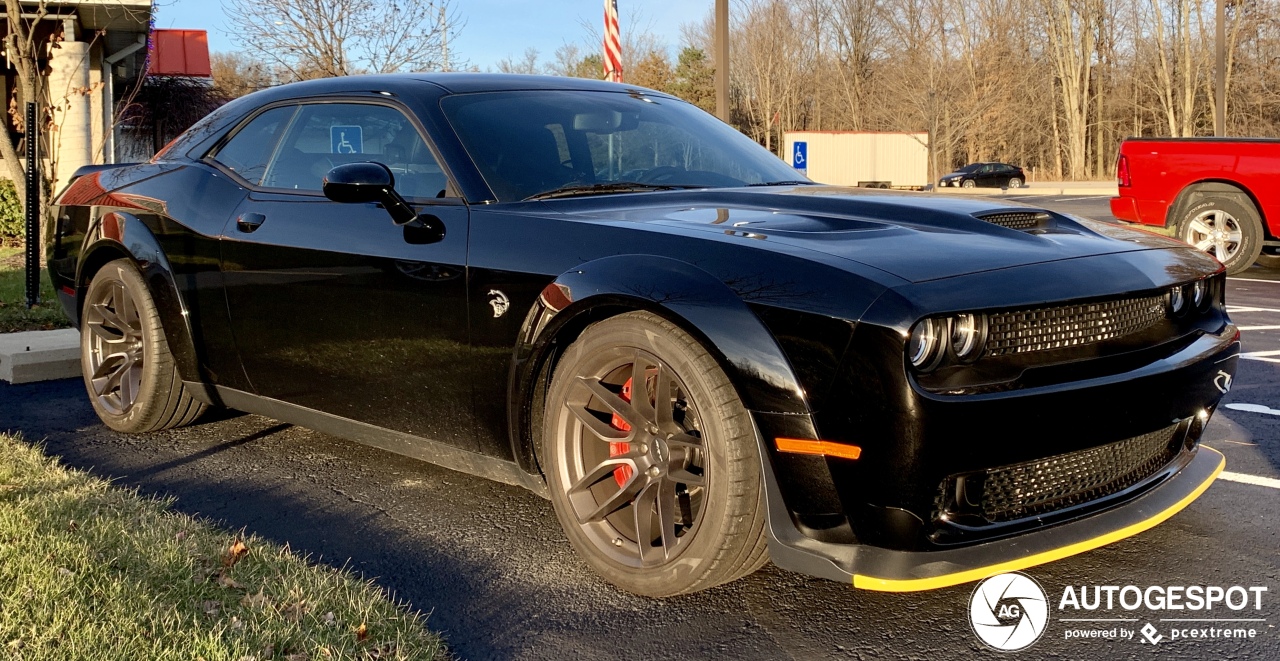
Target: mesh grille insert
point(1017, 220)
point(1046, 329)
point(1036, 487)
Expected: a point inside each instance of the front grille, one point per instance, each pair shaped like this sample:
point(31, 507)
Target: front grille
point(1044, 485)
point(1017, 220)
point(1045, 329)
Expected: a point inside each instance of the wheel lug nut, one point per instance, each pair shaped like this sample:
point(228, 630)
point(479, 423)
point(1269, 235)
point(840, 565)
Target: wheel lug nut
point(654, 471)
point(617, 541)
point(642, 448)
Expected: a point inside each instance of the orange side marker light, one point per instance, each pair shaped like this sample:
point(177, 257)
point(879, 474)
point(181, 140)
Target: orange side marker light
point(827, 448)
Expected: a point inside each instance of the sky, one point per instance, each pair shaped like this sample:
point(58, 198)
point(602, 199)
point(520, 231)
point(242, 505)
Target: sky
point(493, 29)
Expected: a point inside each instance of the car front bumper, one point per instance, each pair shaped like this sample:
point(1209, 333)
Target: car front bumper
point(875, 568)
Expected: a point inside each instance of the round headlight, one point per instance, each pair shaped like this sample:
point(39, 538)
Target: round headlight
point(1177, 301)
point(923, 344)
point(968, 332)
point(1200, 293)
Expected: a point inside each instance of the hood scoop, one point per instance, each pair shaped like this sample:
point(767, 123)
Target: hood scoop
point(1018, 220)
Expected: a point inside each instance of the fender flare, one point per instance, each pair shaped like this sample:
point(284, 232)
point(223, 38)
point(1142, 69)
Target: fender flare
point(1189, 193)
point(116, 234)
point(686, 295)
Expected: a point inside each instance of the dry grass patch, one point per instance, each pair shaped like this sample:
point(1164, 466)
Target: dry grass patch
point(91, 571)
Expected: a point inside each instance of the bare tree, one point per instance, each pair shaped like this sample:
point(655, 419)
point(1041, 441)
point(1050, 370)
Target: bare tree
point(237, 74)
point(321, 38)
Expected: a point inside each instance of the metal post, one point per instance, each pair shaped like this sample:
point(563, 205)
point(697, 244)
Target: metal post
point(33, 209)
point(1220, 108)
point(722, 60)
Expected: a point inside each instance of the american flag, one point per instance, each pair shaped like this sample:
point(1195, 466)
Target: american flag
point(612, 44)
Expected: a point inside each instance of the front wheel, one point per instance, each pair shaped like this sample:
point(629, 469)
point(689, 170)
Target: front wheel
point(651, 460)
point(968, 183)
point(124, 356)
point(1224, 228)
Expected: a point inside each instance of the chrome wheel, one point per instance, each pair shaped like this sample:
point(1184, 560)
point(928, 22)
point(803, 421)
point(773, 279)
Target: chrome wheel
point(1015, 183)
point(633, 465)
point(1216, 232)
point(116, 347)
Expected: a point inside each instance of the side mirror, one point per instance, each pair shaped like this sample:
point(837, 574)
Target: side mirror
point(357, 183)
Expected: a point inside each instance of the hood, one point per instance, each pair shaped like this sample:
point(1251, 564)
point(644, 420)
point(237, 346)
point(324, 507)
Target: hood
point(915, 236)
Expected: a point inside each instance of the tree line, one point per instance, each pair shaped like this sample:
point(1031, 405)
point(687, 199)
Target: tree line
point(1051, 85)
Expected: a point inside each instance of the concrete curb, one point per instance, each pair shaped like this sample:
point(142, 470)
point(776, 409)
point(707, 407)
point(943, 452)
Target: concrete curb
point(39, 356)
point(1034, 190)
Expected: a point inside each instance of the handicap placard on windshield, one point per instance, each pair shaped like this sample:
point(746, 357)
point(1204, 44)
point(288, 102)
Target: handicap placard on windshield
point(346, 140)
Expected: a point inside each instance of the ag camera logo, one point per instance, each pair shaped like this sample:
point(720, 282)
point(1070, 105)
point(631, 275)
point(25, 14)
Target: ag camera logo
point(1008, 612)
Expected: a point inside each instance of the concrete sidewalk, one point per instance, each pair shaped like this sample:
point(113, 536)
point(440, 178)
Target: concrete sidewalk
point(39, 355)
point(1082, 188)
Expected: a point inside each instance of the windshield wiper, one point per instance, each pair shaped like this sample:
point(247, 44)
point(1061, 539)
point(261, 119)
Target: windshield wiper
point(796, 182)
point(574, 190)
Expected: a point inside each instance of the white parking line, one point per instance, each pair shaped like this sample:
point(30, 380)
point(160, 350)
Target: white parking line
point(1245, 328)
point(1244, 308)
point(1252, 408)
point(1261, 355)
point(1269, 482)
point(1274, 282)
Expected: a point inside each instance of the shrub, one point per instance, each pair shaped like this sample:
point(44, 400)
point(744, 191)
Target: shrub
point(12, 222)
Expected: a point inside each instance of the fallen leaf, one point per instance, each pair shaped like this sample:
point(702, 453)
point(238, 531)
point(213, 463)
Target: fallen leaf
point(71, 525)
point(328, 619)
point(236, 623)
point(237, 551)
point(300, 656)
point(63, 571)
point(211, 608)
point(182, 534)
point(387, 651)
point(362, 632)
point(227, 582)
point(293, 612)
point(259, 600)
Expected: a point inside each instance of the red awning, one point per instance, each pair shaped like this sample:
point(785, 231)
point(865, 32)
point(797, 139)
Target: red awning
point(180, 53)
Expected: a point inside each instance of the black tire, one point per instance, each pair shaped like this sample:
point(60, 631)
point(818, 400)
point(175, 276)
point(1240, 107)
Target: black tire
point(703, 462)
point(968, 183)
point(1269, 258)
point(1241, 236)
point(124, 356)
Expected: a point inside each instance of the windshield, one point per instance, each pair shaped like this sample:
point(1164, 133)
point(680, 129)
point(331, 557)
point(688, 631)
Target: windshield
point(527, 143)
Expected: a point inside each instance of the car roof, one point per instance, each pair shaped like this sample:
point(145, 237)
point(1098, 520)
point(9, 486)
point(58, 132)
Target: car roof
point(443, 83)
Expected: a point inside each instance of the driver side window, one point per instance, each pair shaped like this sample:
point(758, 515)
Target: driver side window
point(325, 135)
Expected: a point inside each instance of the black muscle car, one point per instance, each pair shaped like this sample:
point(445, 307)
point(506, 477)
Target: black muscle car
point(702, 359)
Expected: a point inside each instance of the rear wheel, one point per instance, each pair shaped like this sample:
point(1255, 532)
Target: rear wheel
point(1015, 182)
point(651, 460)
point(1224, 228)
point(124, 356)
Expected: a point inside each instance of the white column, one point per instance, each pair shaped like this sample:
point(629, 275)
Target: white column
point(72, 136)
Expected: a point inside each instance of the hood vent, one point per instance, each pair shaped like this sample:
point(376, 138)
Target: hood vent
point(1017, 220)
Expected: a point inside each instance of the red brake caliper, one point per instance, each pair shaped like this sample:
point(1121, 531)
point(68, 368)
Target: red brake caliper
point(622, 473)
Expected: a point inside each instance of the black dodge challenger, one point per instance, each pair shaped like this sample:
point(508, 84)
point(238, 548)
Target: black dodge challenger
point(607, 296)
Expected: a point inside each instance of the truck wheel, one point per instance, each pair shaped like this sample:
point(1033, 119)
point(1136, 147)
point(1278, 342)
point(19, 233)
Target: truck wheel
point(1224, 228)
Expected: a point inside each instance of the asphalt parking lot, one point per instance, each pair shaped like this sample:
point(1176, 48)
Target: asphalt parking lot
point(491, 567)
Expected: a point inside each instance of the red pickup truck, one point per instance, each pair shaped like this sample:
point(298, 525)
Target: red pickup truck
point(1220, 195)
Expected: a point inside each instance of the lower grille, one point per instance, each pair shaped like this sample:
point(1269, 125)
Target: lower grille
point(1053, 483)
point(1046, 329)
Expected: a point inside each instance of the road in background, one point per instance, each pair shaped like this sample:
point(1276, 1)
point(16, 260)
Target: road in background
point(490, 565)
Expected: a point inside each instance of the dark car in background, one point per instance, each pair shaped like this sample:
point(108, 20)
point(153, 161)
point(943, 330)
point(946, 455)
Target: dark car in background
point(605, 295)
point(985, 175)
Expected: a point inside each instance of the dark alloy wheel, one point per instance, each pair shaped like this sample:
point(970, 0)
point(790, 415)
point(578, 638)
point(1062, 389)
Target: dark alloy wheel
point(124, 356)
point(650, 460)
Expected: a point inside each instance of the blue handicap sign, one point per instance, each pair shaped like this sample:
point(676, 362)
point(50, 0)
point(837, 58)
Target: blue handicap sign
point(346, 140)
point(800, 156)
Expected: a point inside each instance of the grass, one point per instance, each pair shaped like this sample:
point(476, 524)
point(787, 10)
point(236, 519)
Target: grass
point(91, 571)
point(14, 315)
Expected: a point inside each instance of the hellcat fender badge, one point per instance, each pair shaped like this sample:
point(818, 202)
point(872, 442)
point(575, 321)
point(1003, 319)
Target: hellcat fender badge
point(1222, 381)
point(499, 301)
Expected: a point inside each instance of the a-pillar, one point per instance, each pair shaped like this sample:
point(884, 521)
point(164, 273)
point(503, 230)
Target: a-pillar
point(71, 139)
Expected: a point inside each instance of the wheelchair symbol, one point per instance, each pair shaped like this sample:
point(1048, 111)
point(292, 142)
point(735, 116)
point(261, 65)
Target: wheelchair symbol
point(344, 146)
point(799, 158)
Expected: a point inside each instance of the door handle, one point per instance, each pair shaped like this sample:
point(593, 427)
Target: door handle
point(248, 222)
